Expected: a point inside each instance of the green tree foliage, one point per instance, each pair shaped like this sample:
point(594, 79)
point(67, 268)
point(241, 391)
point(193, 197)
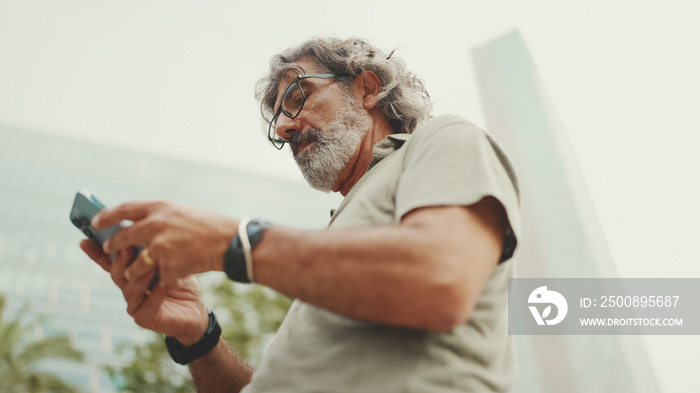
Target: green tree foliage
point(248, 314)
point(19, 356)
point(150, 371)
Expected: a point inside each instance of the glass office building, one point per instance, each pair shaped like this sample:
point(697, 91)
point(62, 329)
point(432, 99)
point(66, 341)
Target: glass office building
point(41, 265)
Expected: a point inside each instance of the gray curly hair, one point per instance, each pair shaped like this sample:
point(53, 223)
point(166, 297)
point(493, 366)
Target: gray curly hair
point(404, 100)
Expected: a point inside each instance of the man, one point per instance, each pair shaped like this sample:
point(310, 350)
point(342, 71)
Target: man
point(405, 290)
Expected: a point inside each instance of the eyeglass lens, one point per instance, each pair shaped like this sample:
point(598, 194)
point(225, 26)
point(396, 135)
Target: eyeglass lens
point(272, 134)
point(292, 103)
point(293, 100)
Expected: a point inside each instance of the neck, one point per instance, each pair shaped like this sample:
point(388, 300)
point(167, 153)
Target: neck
point(356, 167)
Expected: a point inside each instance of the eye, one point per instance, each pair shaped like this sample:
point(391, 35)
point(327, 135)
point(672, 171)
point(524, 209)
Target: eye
point(293, 100)
point(296, 98)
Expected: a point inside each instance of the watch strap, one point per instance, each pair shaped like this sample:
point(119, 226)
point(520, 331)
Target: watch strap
point(256, 229)
point(185, 355)
point(234, 261)
point(235, 264)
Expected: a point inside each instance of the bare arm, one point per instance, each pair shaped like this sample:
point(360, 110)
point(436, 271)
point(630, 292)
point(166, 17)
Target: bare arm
point(425, 273)
point(221, 370)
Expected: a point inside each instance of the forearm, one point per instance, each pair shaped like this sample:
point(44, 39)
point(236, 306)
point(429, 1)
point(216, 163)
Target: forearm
point(427, 272)
point(389, 275)
point(221, 370)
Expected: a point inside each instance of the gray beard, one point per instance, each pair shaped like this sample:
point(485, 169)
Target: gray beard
point(321, 162)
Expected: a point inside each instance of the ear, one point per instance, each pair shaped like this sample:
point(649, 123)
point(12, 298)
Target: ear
point(369, 87)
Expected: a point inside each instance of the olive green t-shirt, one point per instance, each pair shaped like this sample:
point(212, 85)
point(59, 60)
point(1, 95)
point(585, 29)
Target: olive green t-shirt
point(448, 161)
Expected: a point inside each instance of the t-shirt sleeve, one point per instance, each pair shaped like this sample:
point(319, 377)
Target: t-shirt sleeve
point(450, 161)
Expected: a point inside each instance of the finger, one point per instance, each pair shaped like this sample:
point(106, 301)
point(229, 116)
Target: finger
point(135, 235)
point(142, 266)
point(119, 264)
point(133, 211)
point(126, 256)
point(169, 277)
point(136, 292)
point(95, 253)
point(146, 314)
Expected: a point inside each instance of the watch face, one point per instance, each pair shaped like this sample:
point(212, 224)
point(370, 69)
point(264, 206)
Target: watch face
point(256, 229)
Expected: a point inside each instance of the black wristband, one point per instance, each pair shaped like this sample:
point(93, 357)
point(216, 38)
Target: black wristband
point(234, 258)
point(185, 355)
point(234, 262)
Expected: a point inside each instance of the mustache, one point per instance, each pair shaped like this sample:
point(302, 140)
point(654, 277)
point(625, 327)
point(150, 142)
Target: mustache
point(296, 139)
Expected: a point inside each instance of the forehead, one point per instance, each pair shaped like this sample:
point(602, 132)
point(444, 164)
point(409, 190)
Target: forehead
point(299, 67)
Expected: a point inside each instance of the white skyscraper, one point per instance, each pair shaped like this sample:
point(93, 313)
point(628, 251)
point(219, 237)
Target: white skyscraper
point(561, 234)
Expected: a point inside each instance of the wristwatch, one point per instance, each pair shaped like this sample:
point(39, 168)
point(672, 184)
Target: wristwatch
point(185, 355)
point(235, 264)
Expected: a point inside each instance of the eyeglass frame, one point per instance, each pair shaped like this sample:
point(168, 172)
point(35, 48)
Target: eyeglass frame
point(272, 130)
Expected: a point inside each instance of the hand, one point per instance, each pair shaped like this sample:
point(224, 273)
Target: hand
point(183, 240)
point(175, 310)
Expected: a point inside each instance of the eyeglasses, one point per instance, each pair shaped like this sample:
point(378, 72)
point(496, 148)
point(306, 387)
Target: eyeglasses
point(292, 102)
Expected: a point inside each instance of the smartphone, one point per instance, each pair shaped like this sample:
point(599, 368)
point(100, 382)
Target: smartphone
point(85, 206)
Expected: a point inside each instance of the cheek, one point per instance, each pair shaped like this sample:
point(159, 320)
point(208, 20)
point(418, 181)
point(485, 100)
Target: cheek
point(322, 112)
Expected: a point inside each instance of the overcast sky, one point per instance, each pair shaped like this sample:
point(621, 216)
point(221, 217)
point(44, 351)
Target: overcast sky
point(176, 78)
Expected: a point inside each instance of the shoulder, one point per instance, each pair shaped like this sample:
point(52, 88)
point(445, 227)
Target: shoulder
point(446, 132)
point(446, 127)
point(453, 143)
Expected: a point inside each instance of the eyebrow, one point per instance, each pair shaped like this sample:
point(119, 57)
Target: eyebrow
point(306, 82)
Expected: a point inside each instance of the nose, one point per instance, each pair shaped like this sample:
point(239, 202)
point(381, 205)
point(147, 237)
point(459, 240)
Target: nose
point(285, 126)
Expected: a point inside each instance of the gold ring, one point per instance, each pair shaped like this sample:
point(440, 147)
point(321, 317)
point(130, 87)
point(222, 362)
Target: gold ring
point(147, 257)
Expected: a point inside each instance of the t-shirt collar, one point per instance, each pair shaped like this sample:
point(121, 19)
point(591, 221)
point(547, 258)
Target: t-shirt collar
point(386, 146)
